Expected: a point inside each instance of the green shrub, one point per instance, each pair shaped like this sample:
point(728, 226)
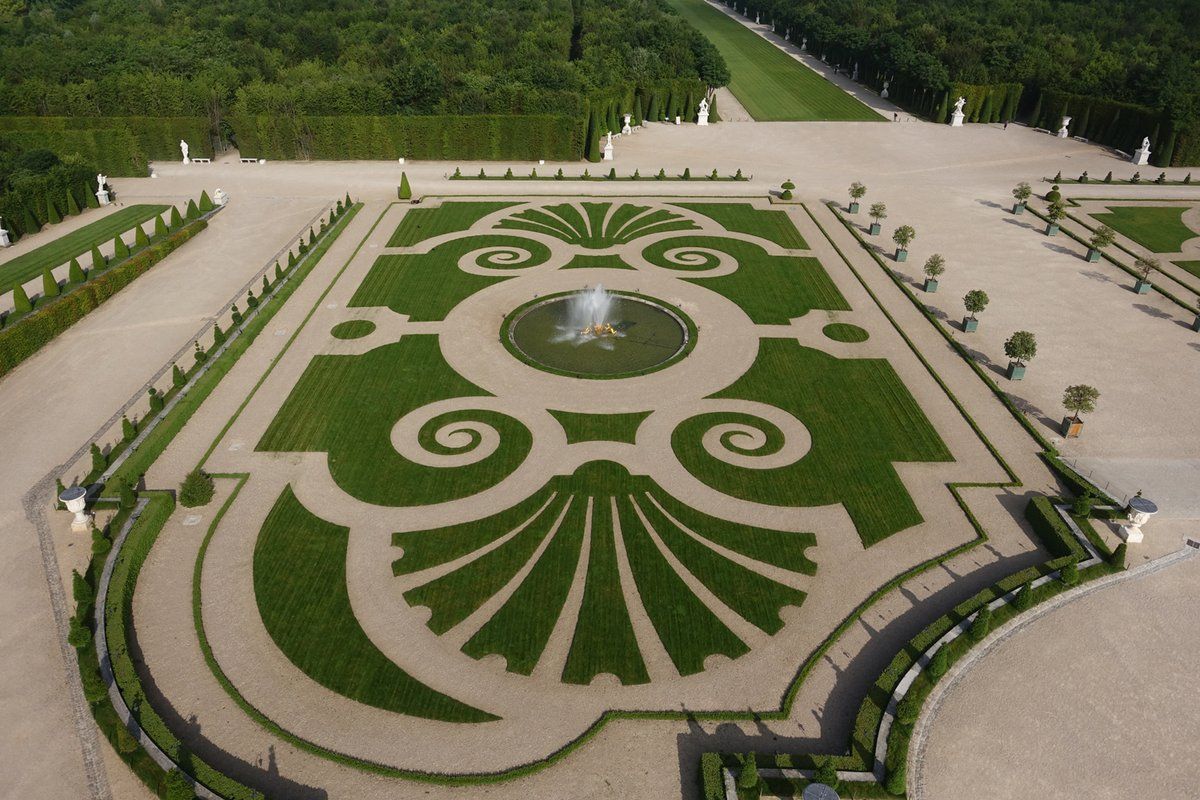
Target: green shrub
point(266, 285)
point(178, 377)
point(177, 786)
point(156, 400)
point(126, 743)
point(1082, 506)
point(687, 173)
point(1069, 574)
point(52, 215)
point(405, 191)
point(897, 780)
point(278, 272)
point(1108, 178)
point(80, 635)
point(206, 203)
point(99, 460)
point(508, 174)
point(199, 354)
point(197, 489)
point(612, 174)
point(218, 336)
point(82, 592)
point(160, 228)
point(94, 689)
point(72, 203)
point(712, 782)
point(140, 239)
point(1118, 556)
point(1050, 529)
point(21, 304)
point(1024, 599)
point(909, 707)
point(940, 662)
point(193, 212)
point(826, 773)
point(251, 300)
point(291, 259)
point(120, 249)
point(49, 283)
point(176, 220)
point(128, 432)
point(981, 625)
point(236, 315)
point(99, 262)
point(75, 272)
point(100, 543)
point(748, 777)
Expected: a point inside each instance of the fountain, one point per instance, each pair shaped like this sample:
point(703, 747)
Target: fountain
point(588, 315)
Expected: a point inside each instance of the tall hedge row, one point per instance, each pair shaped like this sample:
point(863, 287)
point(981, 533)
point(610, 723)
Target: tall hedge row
point(118, 146)
point(1120, 125)
point(24, 208)
point(995, 102)
point(22, 340)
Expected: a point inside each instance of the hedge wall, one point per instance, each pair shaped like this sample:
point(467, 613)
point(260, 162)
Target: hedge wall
point(1120, 125)
point(482, 137)
point(119, 146)
point(30, 334)
point(994, 102)
point(31, 193)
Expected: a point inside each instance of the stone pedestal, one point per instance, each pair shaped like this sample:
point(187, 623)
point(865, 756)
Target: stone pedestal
point(678, 120)
point(608, 152)
point(220, 197)
point(956, 119)
point(702, 118)
point(1138, 512)
point(626, 128)
point(1141, 156)
point(102, 197)
point(4, 240)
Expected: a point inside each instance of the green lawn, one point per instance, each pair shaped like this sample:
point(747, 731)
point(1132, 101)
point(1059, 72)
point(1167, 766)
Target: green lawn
point(1159, 229)
point(600, 427)
point(420, 224)
point(771, 84)
point(300, 586)
point(26, 267)
point(1191, 266)
point(771, 224)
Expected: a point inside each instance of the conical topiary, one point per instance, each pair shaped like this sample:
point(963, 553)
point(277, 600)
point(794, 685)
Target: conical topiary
point(348, 203)
point(52, 215)
point(21, 302)
point(206, 203)
point(405, 191)
point(192, 212)
point(49, 284)
point(72, 204)
point(176, 220)
point(90, 197)
point(160, 228)
point(29, 223)
point(278, 271)
point(120, 250)
point(75, 272)
point(139, 238)
point(98, 260)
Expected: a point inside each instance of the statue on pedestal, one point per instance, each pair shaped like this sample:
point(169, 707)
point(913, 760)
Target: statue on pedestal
point(1063, 133)
point(183, 147)
point(102, 195)
point(608, 148)
point(627, 129)
point(702, 113)
point(1141, 157)
point(4, 240)
point(956, 121)
point(884, 93)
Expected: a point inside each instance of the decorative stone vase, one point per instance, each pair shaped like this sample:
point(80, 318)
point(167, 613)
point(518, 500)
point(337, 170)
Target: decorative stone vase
point(854, 207)
point(75, 500)
point(1142, 286)
point(1093, 255)
point(970, 324)
point(901, 254)
point(931, 285)
point(1071, 427)
point(1016, 372)
point(875, 228)
point(1018, 208)
point(1052, 229)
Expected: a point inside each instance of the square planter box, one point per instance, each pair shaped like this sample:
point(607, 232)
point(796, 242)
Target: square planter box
point(1016, 372)
point(970, 325)
point(1071, 428)
point(1018, 208)
point(901, 254)
point(1052, 229)
point(854, 208)
point(874, 228)
point(1196, 324)
point(1142, 287)
point(930, 285)
point(1093, 255)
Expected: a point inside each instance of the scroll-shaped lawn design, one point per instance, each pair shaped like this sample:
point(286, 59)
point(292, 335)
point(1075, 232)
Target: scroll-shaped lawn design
point(594, 227)
point(688, 574)
point(862, 419)
point(347, 406)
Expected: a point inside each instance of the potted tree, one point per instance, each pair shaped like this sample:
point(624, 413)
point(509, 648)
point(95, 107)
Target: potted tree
point(1020, 347)
point(1102, 238)
point(857, 190)
point(1055, 214)
point(787, 187)
point(934, 267)
point(903, 237)
point(878, 212)
point(1144, 266)
point(1196, 321)
point(1078, 399)
point(1022, 193)
point(975, 301)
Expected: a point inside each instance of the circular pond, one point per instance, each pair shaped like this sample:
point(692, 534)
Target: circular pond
point(637, 335)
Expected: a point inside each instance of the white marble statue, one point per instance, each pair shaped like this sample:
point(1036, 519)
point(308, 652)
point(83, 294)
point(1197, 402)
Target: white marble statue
point(702, 112)
point(854, 77)
point(102, 195)
point(183, 147)
point(101, 179)
point(4, 240)
point(1145, 142)
point(958, 105)
point(608, 148)
point(1141, 157)
point(803, 44)
point(1063, 133)
point(956, 120)
point(627, 129)
point(884, 93)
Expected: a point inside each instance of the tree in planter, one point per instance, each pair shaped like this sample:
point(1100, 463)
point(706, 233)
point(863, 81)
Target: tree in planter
point(981, 625)
point(877, 212)
point(1022, 193)
point(786, 190)
point(857, 192)
point(1055, 213)
point(1020, 347)
point(1101, 238)
point(21, 303)
point(49, 283)
point(935, 265)
point(903, 237)
point(1078, 399)
point(1144, 266)
point(405, 191)
point(975, 301)
point(197, 489)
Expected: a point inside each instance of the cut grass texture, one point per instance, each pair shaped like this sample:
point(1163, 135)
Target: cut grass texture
point(420, 224)
point(346, 406)
point(599, 228)
point(79, 242)
point(771, 84)
point(862, 419)
point(1190, 266)
point(352, 329)
point(772, 290)
point(600, 427)
point(1159, 229)
point(300, 586)
point(845, 332)
point(771, 224)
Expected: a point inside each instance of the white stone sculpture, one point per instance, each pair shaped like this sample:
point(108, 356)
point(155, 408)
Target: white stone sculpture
point(627, 129)
point(1141, 157)
point(220, 197)
point(678, 120)
point(1139, 512)
point(956, 121)
point(608, 148)
point(884, 94)
point(102, 195)
point(183, 147)
point(702, 113)
point(758, 19)
point(4, 240)
point(803, 44)
point(854, 77)
point(1063, 133)
point(75, 499)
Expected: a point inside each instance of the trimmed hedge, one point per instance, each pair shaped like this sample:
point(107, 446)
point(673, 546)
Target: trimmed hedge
point(1051, 529)
point(119, 146)
point(1120, 125)
point(22, 340)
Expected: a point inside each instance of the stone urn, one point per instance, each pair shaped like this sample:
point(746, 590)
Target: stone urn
point(75, 499)
point(1138, 513)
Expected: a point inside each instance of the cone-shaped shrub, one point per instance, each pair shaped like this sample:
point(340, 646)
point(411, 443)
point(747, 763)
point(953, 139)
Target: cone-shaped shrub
point(218, 336)
point(940, 662)
point(1024, 598)
point(156, 400)
point(160, 228)
point(348, 203)
point(176, 220)
point(192, 211)
point(140, 239)
point(49, 284)
point(178, 378)
point(291, 259)
point(98, 260)
point(278, 271)
point(75, 272)
point(196, 489)
point(128, 432)
point(52, 215)
point(72, 205)
point(29, 223)
point(120, 250)
point(266, 285)
point(1118, 556)
point(21, 302)
point(982, 624)
point(99, 460)
point(405, 191)
point(90, 198)
point(206, 203)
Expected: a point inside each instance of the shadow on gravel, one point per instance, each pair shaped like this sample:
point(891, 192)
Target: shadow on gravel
point(1151, 311)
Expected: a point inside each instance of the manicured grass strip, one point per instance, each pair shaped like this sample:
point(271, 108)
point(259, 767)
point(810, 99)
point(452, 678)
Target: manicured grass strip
point(585, 261)
point(773, 290)
point(28, 266)
point(1159, 229)
point(755, 597)
point(628, 222)
point(347, 405)
point(353, 329)
point(771, 224)
point(785, 549)
point(861, 418)
point(845, 332)
point(426, 286)
point(1190, 266)
point(521, 628)
point(456, 595)
point(600, 427)
point(604, 641)
point(768, 82)
point(689, 630)
point(300, 587)
point(420, 224)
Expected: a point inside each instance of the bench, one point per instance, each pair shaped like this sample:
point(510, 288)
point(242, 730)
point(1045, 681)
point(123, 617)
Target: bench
point(201, 160)
point(249, 160)
point(1080, 139)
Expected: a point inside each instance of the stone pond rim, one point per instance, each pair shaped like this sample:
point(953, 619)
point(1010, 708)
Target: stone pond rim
point(653, 335)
